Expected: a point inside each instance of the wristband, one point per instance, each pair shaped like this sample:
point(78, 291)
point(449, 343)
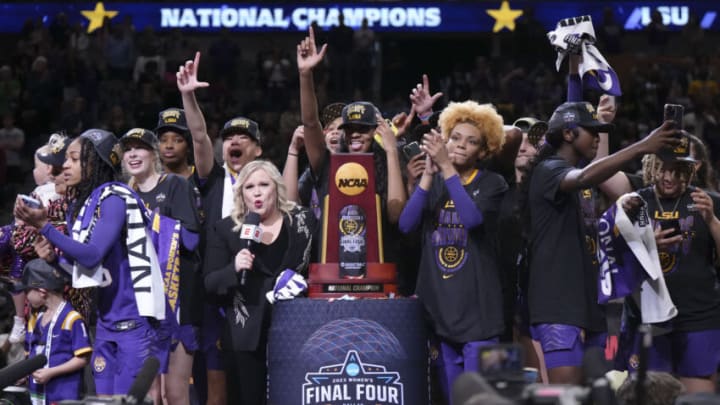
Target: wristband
point(292, 154)
point(425, 117)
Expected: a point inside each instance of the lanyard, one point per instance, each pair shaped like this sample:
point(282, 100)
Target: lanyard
point(49, 337)
point(39, 398)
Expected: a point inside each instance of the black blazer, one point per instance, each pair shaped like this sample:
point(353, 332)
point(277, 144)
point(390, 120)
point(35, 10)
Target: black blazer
point(247, 311)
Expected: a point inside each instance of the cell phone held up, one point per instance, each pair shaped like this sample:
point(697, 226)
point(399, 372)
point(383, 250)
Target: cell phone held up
point(675, 113)
point(411, 150)
point(671, 223)
point(29, 201)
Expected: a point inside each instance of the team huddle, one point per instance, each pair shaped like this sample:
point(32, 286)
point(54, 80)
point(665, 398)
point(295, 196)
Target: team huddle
point(530, 227)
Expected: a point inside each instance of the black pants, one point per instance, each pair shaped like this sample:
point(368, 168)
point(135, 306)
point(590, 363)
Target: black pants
point(247, 376)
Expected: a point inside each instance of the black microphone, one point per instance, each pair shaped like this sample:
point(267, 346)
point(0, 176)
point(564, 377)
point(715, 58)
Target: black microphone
point(11, 374)
point(468, 385)
point(594, 367)
point(645, 332)
point(141, 385)
point(249, 235)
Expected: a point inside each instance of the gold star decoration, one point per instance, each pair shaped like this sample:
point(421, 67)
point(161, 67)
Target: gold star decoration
point(97, 16)
point(504, 17)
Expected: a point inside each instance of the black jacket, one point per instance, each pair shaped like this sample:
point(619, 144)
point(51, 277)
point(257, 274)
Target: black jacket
point(247, 311)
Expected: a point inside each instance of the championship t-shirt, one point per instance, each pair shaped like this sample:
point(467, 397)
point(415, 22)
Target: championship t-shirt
point(458, 281)
point(688, 267)
point(563, 270)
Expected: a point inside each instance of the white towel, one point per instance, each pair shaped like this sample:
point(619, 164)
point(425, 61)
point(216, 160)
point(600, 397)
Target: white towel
point(148, 288)
point(576, 35)
point(655, 303)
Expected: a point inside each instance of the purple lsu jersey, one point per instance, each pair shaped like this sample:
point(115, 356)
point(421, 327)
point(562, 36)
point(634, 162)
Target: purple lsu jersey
point(67, 339)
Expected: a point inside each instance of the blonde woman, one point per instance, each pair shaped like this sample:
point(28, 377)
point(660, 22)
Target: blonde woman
point(172, 196)
point(286, 235)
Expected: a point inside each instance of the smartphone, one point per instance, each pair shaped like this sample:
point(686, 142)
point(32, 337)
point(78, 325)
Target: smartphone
point(29, 201)
point(674, 112)
point(411, 150)
point(671, 223)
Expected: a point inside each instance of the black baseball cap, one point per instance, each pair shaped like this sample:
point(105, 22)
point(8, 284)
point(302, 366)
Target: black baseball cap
point(105, 144)
point(359, 113)
point(241, 125)
point(680, 153)
point(54, 154)
point(141, 134)
point(172, 119)
point(40, 274)
point(330, 113)
point(578, 113)
point(534, 128)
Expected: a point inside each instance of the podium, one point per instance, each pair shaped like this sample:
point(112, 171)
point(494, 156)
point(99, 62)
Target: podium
point(352, 257)
point(348, 352)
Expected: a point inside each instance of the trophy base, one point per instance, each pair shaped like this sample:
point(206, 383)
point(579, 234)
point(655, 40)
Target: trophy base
point(379, 281)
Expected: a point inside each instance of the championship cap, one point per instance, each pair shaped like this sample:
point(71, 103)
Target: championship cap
point(241, 125)
point(359, 113)
point(534, 128)
point(141, 134)
point(580, 113)
point(40, 274)
point(330, 113)
point(105, 145)
point(680, 153)
point(172, 119)
point(54, 154)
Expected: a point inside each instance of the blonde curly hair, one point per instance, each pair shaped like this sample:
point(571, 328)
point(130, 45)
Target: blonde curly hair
point(482, 116)
point(650, 166)
point(282, 203)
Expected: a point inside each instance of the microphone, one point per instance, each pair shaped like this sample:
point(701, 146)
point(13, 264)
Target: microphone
point(594, 367)
point(249, 234)
point(468, 385)
point(141, 385)
point(645, 332)
point(10, 374)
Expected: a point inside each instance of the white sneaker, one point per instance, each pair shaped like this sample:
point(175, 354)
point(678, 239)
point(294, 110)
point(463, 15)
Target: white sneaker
point(17, 335)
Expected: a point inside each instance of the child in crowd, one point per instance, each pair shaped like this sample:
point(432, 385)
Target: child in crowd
point(58, 332)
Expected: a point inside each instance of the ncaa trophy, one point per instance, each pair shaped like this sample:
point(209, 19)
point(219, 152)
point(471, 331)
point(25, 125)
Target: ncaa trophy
point(352, 258)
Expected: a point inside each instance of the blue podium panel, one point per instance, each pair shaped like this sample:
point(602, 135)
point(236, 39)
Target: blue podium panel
point(348, 352)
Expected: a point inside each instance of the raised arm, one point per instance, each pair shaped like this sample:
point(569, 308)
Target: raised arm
point(601, 170)
point(307, 58)
point(291, 171)
point(421, 99)
point(411, 215)
point(396, 194)
point(187, 83)
point(574, 90)
point(618, 184)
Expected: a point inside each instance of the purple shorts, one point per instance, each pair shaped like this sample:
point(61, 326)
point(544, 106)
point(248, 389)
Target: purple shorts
point(452, 359)
point(168, 338)
point(687, 354)
point(210, 333)
point(118, 357)
point(562, 345)
point(187, 335)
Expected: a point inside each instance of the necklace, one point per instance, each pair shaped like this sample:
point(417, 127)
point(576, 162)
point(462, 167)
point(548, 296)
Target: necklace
point(663, 214)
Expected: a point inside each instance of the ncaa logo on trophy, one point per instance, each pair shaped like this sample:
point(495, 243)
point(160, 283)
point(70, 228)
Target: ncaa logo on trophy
point(351, 179)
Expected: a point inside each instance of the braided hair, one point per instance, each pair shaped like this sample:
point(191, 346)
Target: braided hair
point(553, 140)
point(705, 175)
point(93, 173)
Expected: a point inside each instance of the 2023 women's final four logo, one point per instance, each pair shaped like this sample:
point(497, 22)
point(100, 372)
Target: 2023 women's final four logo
point(353, 382)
